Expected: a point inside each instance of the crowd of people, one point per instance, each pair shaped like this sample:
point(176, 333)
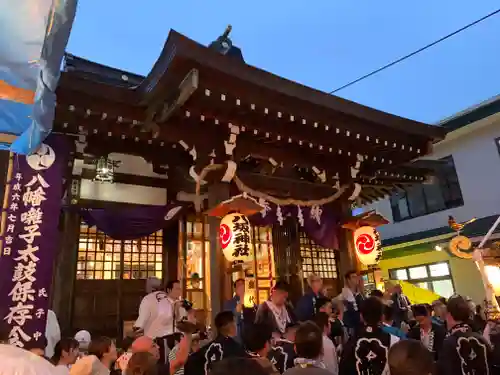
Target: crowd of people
point(349, 334)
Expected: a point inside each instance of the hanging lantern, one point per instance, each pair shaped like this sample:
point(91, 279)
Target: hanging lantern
point(235, 238)
point(367, 245)
point(249, 299)
point(104, 170)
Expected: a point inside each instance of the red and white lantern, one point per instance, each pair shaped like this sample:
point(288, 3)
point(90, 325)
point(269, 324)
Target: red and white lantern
point(367, 245)
point(235, 236)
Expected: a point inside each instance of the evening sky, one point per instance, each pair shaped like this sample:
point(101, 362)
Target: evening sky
point(320, 43)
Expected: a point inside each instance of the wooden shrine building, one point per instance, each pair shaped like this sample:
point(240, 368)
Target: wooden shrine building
point(268, 137)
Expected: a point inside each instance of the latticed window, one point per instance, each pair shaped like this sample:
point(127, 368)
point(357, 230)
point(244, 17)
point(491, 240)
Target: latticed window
point(103, 258)
point(317, 259)
point(194, 262)
point(264, 262)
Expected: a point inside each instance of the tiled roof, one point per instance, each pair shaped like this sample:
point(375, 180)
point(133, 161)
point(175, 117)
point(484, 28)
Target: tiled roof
point(473, 114)
point(475, 229)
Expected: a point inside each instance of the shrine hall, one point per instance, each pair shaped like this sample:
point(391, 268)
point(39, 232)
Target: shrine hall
point(152, 160)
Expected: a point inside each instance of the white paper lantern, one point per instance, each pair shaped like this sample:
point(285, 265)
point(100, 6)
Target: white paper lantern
point(368, 245)
point(235, 236)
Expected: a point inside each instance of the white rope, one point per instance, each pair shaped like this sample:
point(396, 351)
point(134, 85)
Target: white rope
point(278, 201)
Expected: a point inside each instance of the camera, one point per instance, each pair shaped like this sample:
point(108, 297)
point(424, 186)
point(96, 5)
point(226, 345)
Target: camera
point(186, 305)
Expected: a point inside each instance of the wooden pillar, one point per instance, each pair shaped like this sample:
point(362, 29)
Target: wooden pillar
point(171, 252)
point(65, 270)
point(218, 276)
point(347, 256)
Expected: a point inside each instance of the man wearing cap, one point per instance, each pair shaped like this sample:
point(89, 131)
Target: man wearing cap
point(306, 307)
point(83, 337)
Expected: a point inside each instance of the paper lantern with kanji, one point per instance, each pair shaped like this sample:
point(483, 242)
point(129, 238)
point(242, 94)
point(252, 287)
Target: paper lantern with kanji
point(249, 300)
point(235, 236)
point(367, 245)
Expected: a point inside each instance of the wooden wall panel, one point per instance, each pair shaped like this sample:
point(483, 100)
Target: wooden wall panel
point(96, 307)
point(171, 252)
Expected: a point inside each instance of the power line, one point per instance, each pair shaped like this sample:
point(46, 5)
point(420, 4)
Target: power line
point(415, 52)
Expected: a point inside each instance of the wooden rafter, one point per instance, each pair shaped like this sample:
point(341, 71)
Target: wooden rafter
point(102, 116)
point(197, 54)
point(207, 136)
point(255, 112)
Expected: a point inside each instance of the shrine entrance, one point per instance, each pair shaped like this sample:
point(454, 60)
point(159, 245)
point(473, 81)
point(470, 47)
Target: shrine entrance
point(110, 275)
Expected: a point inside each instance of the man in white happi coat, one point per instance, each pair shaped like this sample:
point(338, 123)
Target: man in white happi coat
point(159, 313)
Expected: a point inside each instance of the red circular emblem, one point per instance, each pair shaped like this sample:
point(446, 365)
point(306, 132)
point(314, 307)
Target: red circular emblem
point(365, 244)
point(225, 235)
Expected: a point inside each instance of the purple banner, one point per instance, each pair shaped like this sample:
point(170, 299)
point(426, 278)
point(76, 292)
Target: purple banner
point(132, 222)
point(30, 238)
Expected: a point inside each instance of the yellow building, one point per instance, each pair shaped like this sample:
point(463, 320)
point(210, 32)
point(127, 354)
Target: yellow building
point(424, 218)
point(434, 270)
point(423, 260)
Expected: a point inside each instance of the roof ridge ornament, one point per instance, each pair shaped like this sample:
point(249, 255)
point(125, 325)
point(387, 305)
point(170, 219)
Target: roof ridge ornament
point(223, 43)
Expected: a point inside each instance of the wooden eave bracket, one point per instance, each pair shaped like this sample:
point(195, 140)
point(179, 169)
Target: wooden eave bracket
point(186, 88)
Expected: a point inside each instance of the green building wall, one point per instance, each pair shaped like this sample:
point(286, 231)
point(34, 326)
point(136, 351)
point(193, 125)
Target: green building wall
point(466, 278)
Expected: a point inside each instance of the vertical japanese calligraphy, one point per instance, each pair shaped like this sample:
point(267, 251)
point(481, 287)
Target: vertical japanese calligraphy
point(250, 293)
point(30, 239)
point(236, 238)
